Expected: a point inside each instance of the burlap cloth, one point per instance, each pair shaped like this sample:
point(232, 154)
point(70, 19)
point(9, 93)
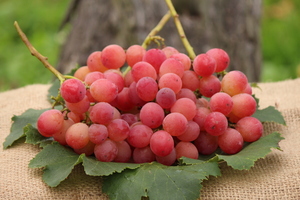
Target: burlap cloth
point(275, 177)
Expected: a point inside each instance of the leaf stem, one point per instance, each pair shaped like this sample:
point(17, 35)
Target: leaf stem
point(35, 53)
point(156, 29)
point(180, 30)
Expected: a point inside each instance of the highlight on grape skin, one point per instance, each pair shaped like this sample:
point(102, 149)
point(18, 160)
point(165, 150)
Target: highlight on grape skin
point(162, 107)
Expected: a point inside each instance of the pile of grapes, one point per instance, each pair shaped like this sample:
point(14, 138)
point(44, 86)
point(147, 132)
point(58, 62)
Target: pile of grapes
point(164, 106)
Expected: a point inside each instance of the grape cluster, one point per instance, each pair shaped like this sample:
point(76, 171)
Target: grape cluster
point(164, 106)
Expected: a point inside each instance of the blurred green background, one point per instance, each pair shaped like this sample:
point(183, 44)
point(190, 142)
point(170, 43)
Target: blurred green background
point(40, 21)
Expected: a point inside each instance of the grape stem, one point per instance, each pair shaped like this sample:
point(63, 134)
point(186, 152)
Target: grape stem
point(156, 29)
point(39, 56)
point(180, 30)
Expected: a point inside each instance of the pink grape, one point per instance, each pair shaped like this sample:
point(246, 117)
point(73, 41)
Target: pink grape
point(94, 62)
point(190, 80)
point(87, 149)
point(186, 93)
point(167, 160)
point(134, 54)
point(139, 136)
point(122, 101)
point(202, 102)
point(248, 89)
point(186, 149)
point(129, 118)
point(171, 65)
point(169, 51)
point(244, 105)
point(206, 143)
point(92, 77)
point(201, 114)
point(134, 97)
point(143, 155)
point(161, 143)
point(166, 98)
point(204, 65)
point(191, 133)
point(107, 151)
point(113, 56)
point(102, 113)
point(118, 129)
point(50, 122)
point(124, 152)
point(155, 57)
point(221, 57)
point(250, 128)
point(128, 78)
point(72, 90)
point(152, 115)
point(215, 123)
point(184, 59)
point(221, 102)
point(115, 78)
point(61, 136)
point(97, 133)
point(143, 69)
point(175, 124)
point(77, 135)
point(103, 90)
point(81, 72)
point(209, 85)
point(185, 106)
point(147, 88)
point(170, 80)
point(75, 117)
point(79, 107)
point(234, 82)
point(231, 141)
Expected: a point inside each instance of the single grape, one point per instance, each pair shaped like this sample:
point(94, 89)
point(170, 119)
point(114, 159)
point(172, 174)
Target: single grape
point(215, 123)
point(221, 102)
point(161, 143)
point(139, 136)
point(143, 69)
point(231, 141)
point(186, 93)
point(206, 143)
point(134, 54)
point(152, 115)
point(191, 133)
point(201, 114)
point(186, 149)
point(87, 149)
point(97, 133)
point(250, 128)
point(134, 97)
point(170, 80)
point(147, 88)
point(171, 65)
point(234, 82)
point(204, 65)
point(81, 72)
point(128, 79)
point(124, 152)
point(185, 106)
point(169, 51)
point(77, 135)
point(72, 90)
point(190, 80)
point(209, 85)
point(107, 151)
point(129, 118)
point(155, 57)
point(221, 57)
point(103, 90)
point(244, 105)
point(92, 77)
point(122, 101)
point(166, 98)
point(167, 160)
point(115, 78)
point(113, 56)
point(202, 102)
point(94, 62)
point(79, 107)
point(143, 155)
point(102, 113)
point(184, 59)
point(50, 122)
point(61, 136)
point(118, 129)
point(175, 123)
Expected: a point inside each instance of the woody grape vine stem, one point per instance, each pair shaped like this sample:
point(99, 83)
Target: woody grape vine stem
point(39, 56)
point(180, 30)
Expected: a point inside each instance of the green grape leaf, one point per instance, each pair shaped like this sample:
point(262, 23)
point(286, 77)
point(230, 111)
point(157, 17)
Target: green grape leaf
point(58, 162)
point(247, 156)
point(94, 167)
point(269, 114)
point(34, 137)
point(53, 90)
point(158, 181)
point(30, 116)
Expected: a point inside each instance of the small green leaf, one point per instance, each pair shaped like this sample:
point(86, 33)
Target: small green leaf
point(58, 162)
point(94, 167)
point(269, 114)
point(53, 90)
point(30, 116)
point(259, 149)
point(34, 137)
point(158, 181)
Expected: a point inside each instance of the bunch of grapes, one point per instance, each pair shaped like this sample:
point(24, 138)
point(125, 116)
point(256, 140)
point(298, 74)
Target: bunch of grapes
point(164, 106)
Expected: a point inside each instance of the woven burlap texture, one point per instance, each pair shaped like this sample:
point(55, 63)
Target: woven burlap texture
point(276, 176)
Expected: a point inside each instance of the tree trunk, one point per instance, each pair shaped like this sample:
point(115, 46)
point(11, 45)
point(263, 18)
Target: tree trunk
point(232, 25)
